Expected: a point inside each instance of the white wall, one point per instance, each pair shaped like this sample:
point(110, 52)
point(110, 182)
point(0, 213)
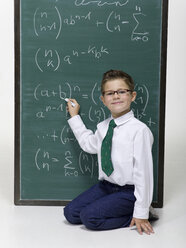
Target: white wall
point(176, 89)
point(6, 100)
point(176, 83)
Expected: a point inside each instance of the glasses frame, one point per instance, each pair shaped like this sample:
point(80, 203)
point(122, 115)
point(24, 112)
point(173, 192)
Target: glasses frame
point(116, 91)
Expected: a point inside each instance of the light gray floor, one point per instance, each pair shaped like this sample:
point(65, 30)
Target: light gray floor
point(37, 227)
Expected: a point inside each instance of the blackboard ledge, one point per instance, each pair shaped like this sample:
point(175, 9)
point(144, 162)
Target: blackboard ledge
point(40, 203)
point(60, 203)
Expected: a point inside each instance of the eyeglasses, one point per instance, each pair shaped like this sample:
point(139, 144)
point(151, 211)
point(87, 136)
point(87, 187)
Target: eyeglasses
point(119, 92)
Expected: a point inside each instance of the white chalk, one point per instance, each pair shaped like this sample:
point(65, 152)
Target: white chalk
point(73, 104)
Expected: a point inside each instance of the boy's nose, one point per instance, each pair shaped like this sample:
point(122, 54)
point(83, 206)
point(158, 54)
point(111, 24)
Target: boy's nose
point(116, 95)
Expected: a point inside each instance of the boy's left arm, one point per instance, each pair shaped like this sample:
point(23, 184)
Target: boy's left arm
point(143, 180)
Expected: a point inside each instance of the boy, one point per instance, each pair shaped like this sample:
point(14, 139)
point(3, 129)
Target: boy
point(124, 193)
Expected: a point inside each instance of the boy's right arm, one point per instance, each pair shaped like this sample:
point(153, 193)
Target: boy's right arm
point(85, 137)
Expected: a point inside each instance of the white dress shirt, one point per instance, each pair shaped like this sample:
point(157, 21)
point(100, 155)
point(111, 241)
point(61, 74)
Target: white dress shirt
point(131, 155)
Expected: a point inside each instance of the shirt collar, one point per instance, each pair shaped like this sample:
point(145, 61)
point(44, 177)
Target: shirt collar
point(124, 118)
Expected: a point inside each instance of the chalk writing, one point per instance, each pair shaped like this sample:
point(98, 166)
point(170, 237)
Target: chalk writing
point(86, 163)
point(141, 100)
point(94, 92)
point(150, 122)
point(51, 136)
point(69, 168)
point(49, 59)
point(100, 3)
point(61, 92)
point(72, 20)
point(51, 21)
point(43, 160)
point(117, 27)
point(141, 103)
point(96, 114)
point(138, 33)
point(42, 113)
point(66, 135)
point(44, 22)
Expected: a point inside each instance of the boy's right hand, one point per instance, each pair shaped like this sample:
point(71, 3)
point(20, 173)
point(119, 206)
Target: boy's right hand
point(73, 110)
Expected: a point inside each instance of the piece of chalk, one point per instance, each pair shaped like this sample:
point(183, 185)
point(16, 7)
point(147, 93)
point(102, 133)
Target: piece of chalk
point(73, 104)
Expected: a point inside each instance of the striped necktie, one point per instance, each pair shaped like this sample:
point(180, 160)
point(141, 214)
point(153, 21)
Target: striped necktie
point(106, 147)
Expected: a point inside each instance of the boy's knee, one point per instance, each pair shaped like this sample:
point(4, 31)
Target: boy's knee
point(68, 214)
point(71, 215)
point(88, 219)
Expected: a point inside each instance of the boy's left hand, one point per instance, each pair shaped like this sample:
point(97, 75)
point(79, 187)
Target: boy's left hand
point(142, 225)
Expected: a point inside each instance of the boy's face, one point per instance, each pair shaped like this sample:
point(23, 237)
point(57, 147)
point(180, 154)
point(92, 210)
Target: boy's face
point(118, 103)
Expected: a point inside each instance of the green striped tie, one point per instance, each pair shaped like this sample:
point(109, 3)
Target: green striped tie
point(106, 147)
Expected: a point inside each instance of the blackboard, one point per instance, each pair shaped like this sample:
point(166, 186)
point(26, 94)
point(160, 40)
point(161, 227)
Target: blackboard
point(63, 47)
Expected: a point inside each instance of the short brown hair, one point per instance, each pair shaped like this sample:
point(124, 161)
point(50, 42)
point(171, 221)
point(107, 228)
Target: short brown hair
point(116, 74)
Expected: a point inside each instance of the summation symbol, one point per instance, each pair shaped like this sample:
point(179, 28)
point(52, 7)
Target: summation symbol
point(70, 170)
point(138, 33)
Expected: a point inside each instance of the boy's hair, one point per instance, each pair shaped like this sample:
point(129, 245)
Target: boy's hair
point(116, 74)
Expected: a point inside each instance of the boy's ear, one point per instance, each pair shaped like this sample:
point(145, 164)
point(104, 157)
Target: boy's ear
point(134, 94)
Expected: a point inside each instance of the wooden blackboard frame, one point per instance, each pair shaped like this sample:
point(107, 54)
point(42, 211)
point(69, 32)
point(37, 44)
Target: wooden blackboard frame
point(17, 178)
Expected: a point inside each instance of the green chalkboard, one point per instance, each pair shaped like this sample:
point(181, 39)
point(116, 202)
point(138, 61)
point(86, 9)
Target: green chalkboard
point(63, 47)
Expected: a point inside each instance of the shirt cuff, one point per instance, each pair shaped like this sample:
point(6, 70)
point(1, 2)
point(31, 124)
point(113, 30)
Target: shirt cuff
point(141, 213)
point(75, 121)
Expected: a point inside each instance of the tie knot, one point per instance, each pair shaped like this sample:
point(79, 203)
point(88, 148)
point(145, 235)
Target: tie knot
point(112, 123)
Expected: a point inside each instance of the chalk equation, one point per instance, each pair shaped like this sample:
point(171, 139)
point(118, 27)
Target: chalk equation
point(53, 21)
point(64, 136)
point(138, 32)
point(43, 160)
point(50, 59)
point(101, 3)
point(96, 113)
point(86, 164)
point(141, 102)
point(44, 22)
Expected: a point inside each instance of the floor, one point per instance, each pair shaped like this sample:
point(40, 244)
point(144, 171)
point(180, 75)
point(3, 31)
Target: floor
point(37, 227)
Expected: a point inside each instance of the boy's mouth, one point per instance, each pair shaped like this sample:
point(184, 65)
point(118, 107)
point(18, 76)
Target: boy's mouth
point(115, 103)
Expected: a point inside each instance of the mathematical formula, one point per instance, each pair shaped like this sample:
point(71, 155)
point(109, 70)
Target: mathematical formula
point(86, 163)
point(49, 59)
point(45, 22)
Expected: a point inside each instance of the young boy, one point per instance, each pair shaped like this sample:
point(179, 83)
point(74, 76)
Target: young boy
point(124, 193)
